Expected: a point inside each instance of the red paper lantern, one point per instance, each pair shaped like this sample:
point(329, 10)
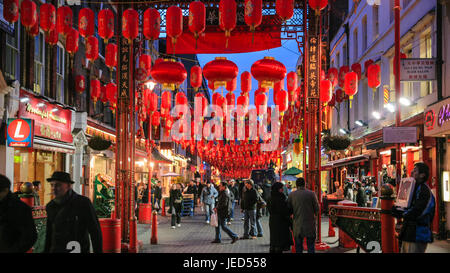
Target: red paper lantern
point(281, 100)
point(80, 83)
point(211, 85)
point(231, 99)
point(356, 67)
point(333, 76)
point(103, 95)
point(166, 100)
point(253, 13)
point(92, 48)
point(174, 23)
point(86, 22)
point(95, 90)
point(342, 72)
point(34, 31)
point(242, 102)
point(181, 99)
point(268, 71)
point(351, 84)
point(318, 5)
point(231, 85)
point(278, 85)
point(366, 65)
point(291, 81)
point(152, 104)
point(332, 102)
point(374, 76)
point(246, 82)
point(196, 77)
point(111, 56)
point(156, 119)
point(28, 14)
point(111, 92)
point(220, 71)
point(72, 41)
point(285, 9)
point(227, 17)
point(64, 20)
point(47, 16)
point(11, 10)
point(261, 103)
point(51, 37)
point(106, 24)
point(325, 91)
point(145, 62)
point(203, 101)
point(130, 24)
point(169, 73)
point(152, 24)
point(339, 95)
point(197, 18)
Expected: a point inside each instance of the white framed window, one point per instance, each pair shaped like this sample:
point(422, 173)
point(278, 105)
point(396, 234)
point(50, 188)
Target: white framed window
point(355, 44)
point(39, 58)
point(60, 58)
point(12, 53)
point(426, 51)
point(364, 34)
point(375, 22)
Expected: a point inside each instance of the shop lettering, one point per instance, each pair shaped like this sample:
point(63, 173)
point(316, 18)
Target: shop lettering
point(45, 114)
point(47, 132)
point(444, 115)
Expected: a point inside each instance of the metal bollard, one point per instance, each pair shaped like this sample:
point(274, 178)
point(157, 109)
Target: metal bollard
point(154, 237)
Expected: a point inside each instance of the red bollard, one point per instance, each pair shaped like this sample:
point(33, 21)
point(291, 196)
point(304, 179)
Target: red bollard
point(145, 213)
point(133, 248)
point(111, 232)
point(388, 240)
point(163, 212)
point(154, 237)
point(331, 232)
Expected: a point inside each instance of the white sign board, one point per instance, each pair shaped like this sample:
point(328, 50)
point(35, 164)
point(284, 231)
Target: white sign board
point(400, 135)
point(418, 70)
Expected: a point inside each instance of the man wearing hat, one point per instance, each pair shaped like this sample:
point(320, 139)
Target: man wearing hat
point(17, 230)
point(71, 219)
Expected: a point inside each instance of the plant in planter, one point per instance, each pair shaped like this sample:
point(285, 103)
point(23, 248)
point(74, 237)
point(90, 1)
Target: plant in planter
point(98, 143)
point(337, 143)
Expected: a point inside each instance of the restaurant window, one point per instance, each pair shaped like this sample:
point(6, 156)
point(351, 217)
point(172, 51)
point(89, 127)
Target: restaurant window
point(12, 54)
point(39, 63)
point(37, 165)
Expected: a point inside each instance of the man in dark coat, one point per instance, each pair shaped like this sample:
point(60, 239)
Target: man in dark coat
point(249, 201)
point(360, 195)
point(266, 195)
point(304, 206)
point(71, 219)
point(223, 210)
point(192, 189)
point(158, 196)
point(17, 230)
point(279, 220)
point(234, 189)
point(415, 233)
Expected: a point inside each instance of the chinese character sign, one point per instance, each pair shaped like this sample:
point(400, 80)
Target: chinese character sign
point(313, 70)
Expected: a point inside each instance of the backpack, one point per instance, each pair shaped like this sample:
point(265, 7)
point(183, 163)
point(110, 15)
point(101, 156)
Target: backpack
point(260, 201)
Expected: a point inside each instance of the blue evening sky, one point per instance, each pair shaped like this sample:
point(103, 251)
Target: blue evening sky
point(287, 54)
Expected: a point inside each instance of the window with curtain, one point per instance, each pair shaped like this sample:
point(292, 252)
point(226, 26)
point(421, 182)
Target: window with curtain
point(426, 51)
point(12, 54)
point(60, 74)
point(39, 63)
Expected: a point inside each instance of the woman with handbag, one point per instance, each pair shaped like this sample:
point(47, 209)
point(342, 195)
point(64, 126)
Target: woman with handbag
point(175, 201)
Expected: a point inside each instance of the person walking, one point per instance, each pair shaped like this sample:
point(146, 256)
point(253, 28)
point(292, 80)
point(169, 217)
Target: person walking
point(260, 206)
point(249, 202)
point(17, 229)
point(304, 206)
point(360, 195)
point(266, 187)
point(200, 190)
point(36, 188)
point(415, 232)
point(223, 210)
point(192, 189)
point(157, 196)
point(208, 199)
point(175, 201)
point(71, 219)
point(234, 189)
point(280, 223)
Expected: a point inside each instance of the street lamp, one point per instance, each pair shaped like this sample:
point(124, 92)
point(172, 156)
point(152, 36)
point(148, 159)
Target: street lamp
point(376, 115)
point(344, 131)
point(390, 107)
point(150, 84)
point(361, 123)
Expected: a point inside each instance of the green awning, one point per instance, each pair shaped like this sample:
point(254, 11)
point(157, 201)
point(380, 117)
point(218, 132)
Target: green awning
point(293, 171)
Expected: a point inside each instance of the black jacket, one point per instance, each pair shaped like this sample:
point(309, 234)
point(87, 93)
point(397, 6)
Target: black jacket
point(235, 191)
point(74, 219)
point(192, 190)
point(175, 199)
point(224, 204)
point(158, 192)
point(250, 199)
point(361, 197)
point(279, 221)
point(17, 230)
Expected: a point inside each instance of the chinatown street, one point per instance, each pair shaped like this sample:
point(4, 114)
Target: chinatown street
point(195, 236)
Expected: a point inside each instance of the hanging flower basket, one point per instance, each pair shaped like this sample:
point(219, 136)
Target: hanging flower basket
point(99, 144)
point(336, 142)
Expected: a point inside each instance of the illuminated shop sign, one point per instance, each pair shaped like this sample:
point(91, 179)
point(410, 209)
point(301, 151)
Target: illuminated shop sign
point(50, 120)
point(437, 119)
point(19, 132)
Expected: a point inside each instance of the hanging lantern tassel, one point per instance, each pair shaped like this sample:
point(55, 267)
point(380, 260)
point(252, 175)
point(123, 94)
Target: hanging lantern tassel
point(227, 35)
point(373, 93)
point(351, 98)
point(252, 29)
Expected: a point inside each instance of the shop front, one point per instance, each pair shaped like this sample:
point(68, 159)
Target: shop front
point(437, 125)
point(52, 147)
